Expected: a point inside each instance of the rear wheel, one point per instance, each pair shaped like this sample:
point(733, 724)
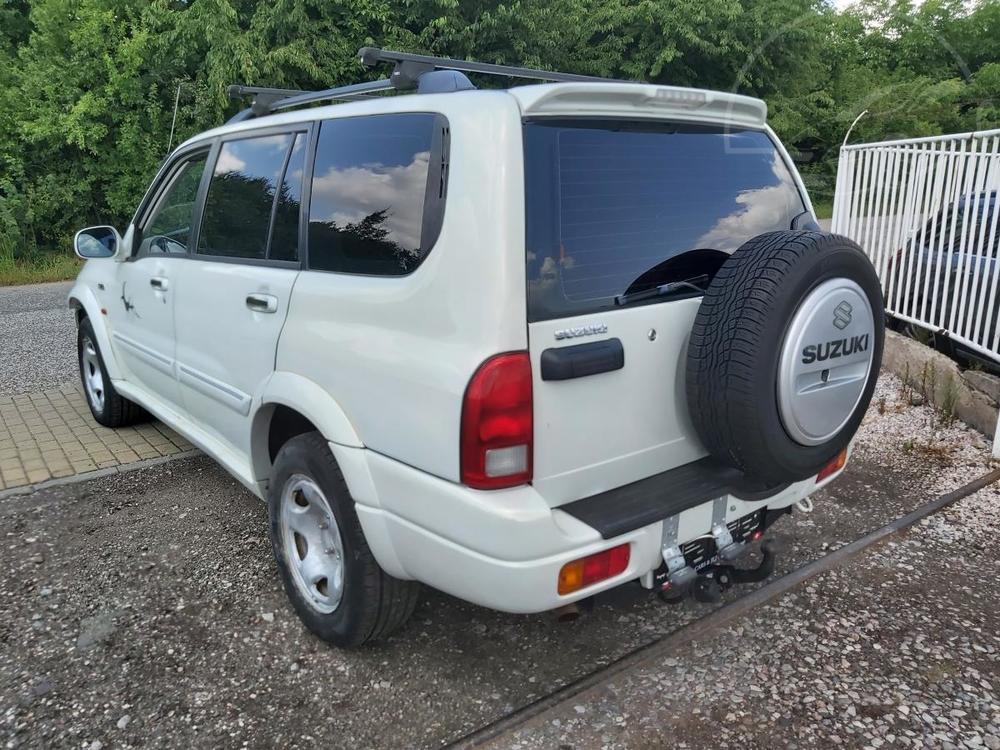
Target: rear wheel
point(109, 408)
point(331, 577)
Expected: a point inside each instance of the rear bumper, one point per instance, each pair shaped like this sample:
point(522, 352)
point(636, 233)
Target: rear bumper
point(501, 549)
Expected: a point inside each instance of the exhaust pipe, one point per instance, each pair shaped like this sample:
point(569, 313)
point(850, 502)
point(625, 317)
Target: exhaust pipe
point(573, 611)
point(567, 613)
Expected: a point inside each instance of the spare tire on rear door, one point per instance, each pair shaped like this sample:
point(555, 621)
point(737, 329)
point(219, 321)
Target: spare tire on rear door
point(784, 353)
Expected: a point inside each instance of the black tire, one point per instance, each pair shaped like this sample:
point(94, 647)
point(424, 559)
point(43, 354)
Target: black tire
point(373, 603)
point(735, 346)
point(116, 410)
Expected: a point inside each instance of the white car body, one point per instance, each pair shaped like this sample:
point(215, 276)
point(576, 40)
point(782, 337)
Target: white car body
point(380, 365)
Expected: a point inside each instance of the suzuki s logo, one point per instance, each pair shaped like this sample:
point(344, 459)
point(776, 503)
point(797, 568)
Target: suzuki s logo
point(573, 333)
point(842, 315)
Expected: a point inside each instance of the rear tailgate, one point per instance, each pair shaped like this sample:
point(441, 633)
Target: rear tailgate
point(616, 206)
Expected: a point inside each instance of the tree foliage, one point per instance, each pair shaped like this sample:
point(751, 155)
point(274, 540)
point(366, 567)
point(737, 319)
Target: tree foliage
point(87, 87)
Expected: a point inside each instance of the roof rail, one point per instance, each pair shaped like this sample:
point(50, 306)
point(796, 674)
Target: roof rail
point(408, 68)
point(268, 100)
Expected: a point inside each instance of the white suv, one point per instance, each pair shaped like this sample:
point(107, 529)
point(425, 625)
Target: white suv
point(520, 345)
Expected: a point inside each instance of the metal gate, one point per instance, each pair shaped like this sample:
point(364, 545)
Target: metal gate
point(925, 210)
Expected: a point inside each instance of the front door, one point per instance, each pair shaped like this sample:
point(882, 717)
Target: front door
point(234, 291)
point(142, 315)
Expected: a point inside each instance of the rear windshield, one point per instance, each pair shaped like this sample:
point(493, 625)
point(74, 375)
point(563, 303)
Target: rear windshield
point(615, 207)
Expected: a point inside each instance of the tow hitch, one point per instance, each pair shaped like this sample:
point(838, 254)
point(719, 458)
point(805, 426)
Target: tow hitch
point(702, 568)
point(708, 584)
point(717, 578)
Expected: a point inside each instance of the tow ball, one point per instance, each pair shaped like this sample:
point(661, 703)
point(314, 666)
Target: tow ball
point(708, 584)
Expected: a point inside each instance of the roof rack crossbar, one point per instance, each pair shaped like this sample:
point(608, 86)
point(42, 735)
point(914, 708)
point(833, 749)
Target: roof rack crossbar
point(409, 67)
point(405, 75)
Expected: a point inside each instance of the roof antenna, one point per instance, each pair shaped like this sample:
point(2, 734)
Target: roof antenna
point(173, 122)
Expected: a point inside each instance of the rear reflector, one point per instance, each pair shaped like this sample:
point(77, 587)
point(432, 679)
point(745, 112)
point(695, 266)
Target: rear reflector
point(593, 568)
point(497, 424)
point(833, 467)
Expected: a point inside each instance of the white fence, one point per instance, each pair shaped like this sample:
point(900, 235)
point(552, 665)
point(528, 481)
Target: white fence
point(926, 210)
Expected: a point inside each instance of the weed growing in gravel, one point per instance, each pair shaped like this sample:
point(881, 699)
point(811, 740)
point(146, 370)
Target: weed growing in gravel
point(945, 411)
point(928, 382)
point(905, 387)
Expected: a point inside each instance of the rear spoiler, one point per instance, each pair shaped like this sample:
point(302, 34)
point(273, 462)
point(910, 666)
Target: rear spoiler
point(639, 100)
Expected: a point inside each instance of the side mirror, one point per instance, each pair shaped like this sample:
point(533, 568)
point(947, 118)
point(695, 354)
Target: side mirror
point(97, 242)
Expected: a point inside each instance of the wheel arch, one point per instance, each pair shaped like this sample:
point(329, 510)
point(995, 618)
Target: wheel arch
point(85, 305)
point(291, 405)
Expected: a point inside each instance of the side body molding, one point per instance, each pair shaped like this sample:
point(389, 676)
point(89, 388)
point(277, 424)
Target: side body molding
point(316, 404)
point(82, 298)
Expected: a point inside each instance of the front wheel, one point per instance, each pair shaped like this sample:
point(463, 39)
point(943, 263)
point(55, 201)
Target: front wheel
point(109, 408)
point(331, 577)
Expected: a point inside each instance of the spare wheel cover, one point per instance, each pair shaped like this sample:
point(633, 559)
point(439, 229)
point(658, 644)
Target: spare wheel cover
point(825, 361)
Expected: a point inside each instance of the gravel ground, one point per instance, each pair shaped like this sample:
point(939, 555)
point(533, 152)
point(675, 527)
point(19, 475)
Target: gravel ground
point(37, 337)
point(900, 648)
point(144, 610)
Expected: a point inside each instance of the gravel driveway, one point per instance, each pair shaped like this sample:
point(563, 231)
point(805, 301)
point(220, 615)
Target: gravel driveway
point(144, 610)
point(37, 337)
point(900, 648)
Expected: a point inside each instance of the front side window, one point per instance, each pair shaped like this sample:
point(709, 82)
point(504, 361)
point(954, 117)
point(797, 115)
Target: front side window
point(377, 193)
point(168, 227)
point(244, 195)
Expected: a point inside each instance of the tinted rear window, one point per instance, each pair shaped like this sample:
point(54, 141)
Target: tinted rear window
point(618, 207)
point(378, 193)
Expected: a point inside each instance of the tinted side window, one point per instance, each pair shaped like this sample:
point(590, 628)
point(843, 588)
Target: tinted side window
point(285, 230)
point(168, 228)
point(377, 193)
point(241, 197)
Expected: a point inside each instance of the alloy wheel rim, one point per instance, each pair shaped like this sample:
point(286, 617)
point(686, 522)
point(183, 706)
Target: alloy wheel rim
point(93, 378)
point(312, 543)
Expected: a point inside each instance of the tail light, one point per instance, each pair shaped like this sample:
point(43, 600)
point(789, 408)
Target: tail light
point(497, 424)
point(833, 467)
point(597, 567)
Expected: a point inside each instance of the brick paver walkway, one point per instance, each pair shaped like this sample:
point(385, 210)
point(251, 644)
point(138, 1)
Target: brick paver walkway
point(51, 434)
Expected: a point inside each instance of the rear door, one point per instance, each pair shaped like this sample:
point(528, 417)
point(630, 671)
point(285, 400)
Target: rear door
point(234, 291)
point(614, 210)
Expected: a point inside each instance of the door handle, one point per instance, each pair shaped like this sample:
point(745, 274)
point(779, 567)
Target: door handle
point(160, 283)
point(262, 303)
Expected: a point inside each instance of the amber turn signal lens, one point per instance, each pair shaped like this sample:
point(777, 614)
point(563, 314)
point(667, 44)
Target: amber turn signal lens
point(588, 570)
point(833, 467)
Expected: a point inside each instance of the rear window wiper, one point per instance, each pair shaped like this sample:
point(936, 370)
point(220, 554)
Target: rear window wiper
point(696, 284)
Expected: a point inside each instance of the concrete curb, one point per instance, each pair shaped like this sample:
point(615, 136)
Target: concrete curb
point(28, 489)
point(938, 379)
